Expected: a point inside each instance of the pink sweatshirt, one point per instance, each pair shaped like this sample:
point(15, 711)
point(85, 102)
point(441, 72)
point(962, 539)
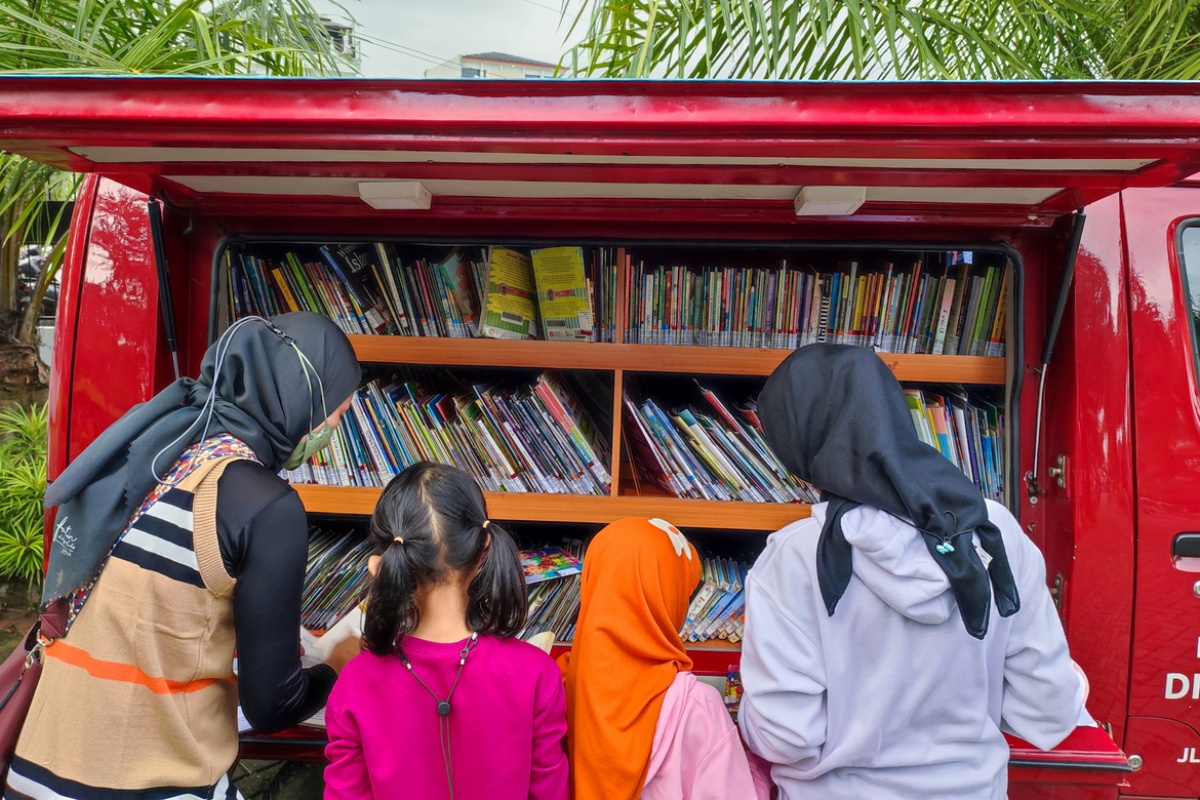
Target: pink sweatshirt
point(507, 724)
point(697, 753)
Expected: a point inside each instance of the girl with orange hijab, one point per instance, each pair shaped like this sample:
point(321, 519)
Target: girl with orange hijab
point(640, 725)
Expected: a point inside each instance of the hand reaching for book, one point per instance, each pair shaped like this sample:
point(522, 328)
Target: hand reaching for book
point(342, 652)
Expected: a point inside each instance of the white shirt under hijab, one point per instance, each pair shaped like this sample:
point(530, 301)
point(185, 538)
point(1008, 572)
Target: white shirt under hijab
point(890, 698)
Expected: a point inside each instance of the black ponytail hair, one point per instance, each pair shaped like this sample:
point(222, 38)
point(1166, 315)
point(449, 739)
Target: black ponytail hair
point(440, 514)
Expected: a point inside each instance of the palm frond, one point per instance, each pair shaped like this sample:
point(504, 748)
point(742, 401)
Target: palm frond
point(22, 487)
point(23, 433)
point(203, 37)
point(871, 39)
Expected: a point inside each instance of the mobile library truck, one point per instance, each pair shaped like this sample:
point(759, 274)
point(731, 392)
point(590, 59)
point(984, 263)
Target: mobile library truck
point(641, 255)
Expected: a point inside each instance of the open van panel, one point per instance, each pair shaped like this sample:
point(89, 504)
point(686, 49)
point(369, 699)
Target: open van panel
point(1000, 167)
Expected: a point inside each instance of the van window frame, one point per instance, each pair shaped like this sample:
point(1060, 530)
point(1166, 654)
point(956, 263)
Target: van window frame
point(1192, 313)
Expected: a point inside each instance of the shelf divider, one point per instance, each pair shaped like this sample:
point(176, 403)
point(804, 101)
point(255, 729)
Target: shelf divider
point(674, 359)
point(600, 509)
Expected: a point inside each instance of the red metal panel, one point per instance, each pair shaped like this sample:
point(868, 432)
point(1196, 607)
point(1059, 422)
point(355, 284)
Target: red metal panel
point(66, 325)
point(603, 118)
point(116, 335)
point(47, 117)
point(1171, 757)
point(1166, 634)
point(695, 213)
point(1089, 522)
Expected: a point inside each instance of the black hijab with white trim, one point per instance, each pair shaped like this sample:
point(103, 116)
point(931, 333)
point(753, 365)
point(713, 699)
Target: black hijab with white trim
point(837, 417)
point(253, 385)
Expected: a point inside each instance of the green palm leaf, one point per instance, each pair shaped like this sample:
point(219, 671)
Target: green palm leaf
point(22, 487)
point(132, 37)
point(902, 39)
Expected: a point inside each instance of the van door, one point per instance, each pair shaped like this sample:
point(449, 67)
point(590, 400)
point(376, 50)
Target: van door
point(1163, 230)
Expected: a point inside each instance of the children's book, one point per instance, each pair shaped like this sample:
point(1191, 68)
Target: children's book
point(509, 308)
point(457, 280)
point(548, 563)
point(357, 264)
point(563, 294)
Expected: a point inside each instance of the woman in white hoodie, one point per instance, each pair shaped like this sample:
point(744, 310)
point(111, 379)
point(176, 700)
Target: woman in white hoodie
point(904, 692)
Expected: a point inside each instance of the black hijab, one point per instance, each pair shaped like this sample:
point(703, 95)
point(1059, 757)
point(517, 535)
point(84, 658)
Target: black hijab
point(837, 417)
point(260, 392)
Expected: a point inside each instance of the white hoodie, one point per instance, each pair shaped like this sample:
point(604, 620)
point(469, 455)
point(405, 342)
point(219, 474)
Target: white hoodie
point(890, 698)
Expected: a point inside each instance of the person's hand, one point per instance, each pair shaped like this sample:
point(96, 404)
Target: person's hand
point(343, 651)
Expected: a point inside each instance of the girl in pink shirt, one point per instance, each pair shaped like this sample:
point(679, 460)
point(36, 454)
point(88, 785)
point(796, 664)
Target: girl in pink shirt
point(444, 703)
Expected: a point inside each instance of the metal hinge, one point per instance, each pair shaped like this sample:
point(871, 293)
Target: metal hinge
point(1059, 472)
point(1056, 591)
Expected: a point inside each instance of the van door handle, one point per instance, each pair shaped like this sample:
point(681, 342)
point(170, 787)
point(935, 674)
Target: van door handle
point(1186, 545)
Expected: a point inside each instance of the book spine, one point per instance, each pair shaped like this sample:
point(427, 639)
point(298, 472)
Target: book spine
point(995, 346)
point(939, 340)
point(983, 316)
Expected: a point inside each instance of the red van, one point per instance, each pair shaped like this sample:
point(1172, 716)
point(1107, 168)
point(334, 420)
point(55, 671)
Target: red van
point(1103, 441)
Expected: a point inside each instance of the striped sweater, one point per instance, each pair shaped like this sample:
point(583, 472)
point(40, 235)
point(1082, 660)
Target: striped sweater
point(139, 700)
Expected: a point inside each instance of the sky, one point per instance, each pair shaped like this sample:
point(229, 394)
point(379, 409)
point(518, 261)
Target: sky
point(403, 38)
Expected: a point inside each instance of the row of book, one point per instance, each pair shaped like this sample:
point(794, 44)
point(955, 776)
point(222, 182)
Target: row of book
point(718, 608)
point(554, 602)
point(336, 581)
point(335, 578)
point(557, 293)
point(716, 452)
point(968, 430)
point(527, 436)
point(709, 453)
point(715, 613)
point(954, 308)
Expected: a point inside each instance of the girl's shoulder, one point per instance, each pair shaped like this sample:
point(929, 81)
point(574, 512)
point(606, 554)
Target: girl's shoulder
point(368, 667)
point(522, 653)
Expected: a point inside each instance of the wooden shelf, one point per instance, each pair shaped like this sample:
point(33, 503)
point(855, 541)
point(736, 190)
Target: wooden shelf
point(708, 658)
point(690, 359)
point(515, 506)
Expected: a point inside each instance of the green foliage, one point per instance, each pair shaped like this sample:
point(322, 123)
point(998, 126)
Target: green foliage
point(896, 39)
point(141, 37)
point(196, 37)
point(22, 487)
point(23, 433)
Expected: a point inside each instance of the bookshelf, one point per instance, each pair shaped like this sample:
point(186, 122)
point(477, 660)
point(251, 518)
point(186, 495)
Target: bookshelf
point(641, 369)
point(620, 359)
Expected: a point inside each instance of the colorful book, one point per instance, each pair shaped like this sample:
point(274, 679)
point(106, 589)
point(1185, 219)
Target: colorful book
point(549, 563)
point(562, 292)
point(510, 311)
point(357, 264)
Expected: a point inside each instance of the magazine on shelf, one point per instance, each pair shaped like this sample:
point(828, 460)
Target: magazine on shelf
point(549, 563)
point(511, 303)
point(564, 293)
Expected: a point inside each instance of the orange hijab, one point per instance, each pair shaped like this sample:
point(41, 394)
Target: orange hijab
point(638, 577)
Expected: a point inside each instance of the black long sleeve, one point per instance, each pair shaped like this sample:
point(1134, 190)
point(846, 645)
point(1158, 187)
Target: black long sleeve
point(262, 531)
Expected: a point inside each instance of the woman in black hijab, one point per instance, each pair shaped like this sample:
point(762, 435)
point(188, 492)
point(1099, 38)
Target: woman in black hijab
point(175, 542)
point(892, 635)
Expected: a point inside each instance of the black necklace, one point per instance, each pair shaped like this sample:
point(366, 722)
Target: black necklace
point(443, 706)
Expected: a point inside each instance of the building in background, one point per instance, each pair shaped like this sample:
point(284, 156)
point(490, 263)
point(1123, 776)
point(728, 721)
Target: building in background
point(492, 65)
point(345, 44)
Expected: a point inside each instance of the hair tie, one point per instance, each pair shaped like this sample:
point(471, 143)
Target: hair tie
point(399, 539)
point(486, 522)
